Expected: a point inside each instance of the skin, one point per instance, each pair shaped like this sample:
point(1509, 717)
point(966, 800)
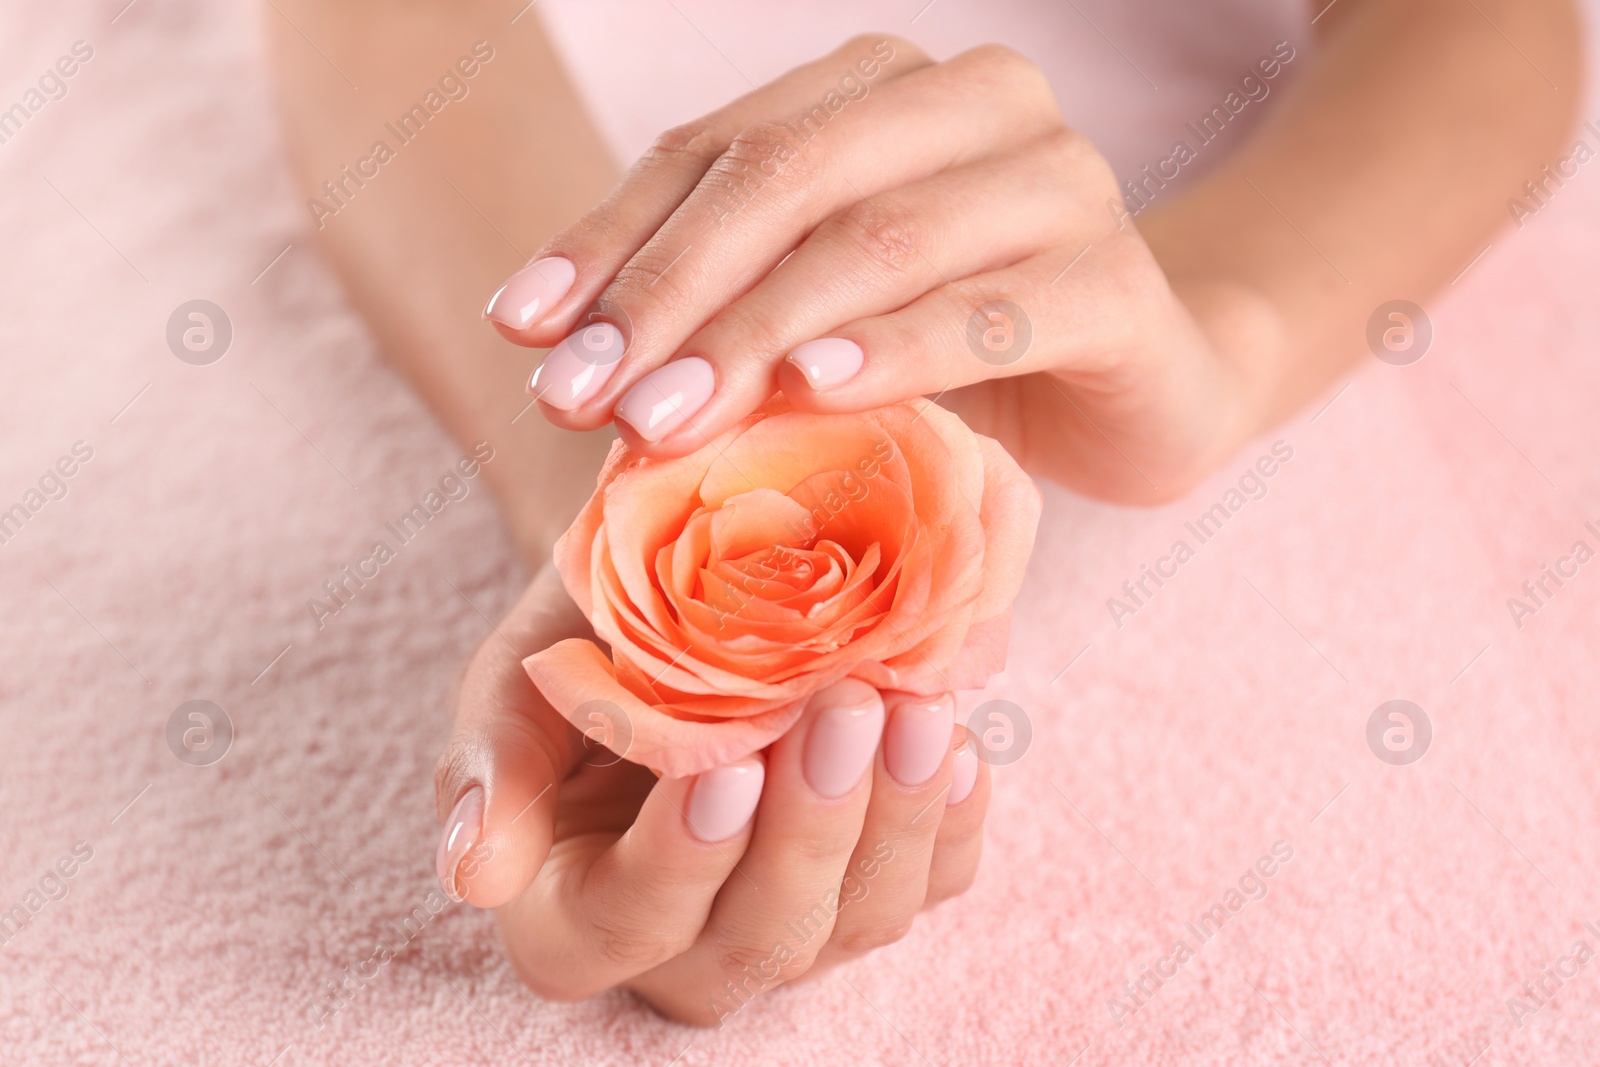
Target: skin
point(1158, 351)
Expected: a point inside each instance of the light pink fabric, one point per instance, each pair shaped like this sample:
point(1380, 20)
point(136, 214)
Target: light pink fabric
point(1128, 73)
point(1228, 714)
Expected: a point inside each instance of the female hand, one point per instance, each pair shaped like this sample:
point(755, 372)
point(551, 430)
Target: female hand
point(871, 227)
point(605, 876)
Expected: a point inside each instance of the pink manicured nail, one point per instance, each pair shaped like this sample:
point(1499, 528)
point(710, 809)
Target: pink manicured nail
point(827, 362)
point(723, 800)
point(578, 367)
point(529, 294)
point(844, 736)
point(963, 773)
point(461, 833)
point(667, 397)
point(917, 737)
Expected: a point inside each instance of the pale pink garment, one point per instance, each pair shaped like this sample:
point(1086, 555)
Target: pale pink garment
point(1168, 755)
point(1129, 73)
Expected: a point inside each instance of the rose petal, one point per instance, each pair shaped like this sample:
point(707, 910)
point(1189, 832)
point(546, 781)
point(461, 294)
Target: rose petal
point(799, 549)
point(647, 505)
point(574, 549)
point(1010, 516)
point(572, 672)
point(783, 450)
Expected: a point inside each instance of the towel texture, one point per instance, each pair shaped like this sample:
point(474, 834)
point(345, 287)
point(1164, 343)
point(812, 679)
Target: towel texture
point(1212, 729)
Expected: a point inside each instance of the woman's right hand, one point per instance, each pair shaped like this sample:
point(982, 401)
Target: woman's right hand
point(697, 893)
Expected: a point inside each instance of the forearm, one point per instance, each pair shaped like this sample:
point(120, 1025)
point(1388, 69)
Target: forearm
point(499, 170)
point(1380, 177)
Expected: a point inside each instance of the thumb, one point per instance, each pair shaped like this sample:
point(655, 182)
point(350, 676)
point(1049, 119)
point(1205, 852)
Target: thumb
point(497, 782)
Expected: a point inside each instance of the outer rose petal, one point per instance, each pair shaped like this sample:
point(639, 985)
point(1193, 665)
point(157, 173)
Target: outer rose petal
point(573, 548)
point(984, 654)
point(1010, 517)
point(572, 672)
point(783, 450)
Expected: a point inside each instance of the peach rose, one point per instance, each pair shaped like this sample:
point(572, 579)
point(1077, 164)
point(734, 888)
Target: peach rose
point(793, 551)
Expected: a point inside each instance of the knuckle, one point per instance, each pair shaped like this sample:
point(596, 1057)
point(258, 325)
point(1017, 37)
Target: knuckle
point(1076, 159)
point(886, 47)
point(828, 849)
point(644, 284)
point(1007, 70)
point(753, 328)
point(860, 940)
point(450, 775)
point(767, 153)
point(1005, 62)
point(899, 336)
point(701, 1013)
point(896, 240)
point(631, 940)
point(549, 987)
point(1066, 149)
point(633, 913)
point(691, 146)
point(754, 969)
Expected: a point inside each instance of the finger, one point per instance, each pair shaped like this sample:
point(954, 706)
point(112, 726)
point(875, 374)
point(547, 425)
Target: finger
point(498, 778)
point(877, 256)
point(606, 907)
point(887, 879)
point(713, 248)
point(542, 302)
point(775, 914)
point(959, 845)
point(1065, 310)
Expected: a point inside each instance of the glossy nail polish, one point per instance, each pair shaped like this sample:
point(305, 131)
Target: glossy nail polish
point(529, 294)
point(667, 397)
point(827, 362)
point(963, 773)
point(462, 832)
point(723, 800)
point(578, 367)
point(844, 737)
point(917, 737)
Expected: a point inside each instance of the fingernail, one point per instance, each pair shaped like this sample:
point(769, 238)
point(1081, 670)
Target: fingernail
point(917, 737)
point(529, 294)
point(578, 367)
point(667, 397)
point(827, 362)
point(844, 737)
point(723, 800)
point(963, 773)
point(461, 833)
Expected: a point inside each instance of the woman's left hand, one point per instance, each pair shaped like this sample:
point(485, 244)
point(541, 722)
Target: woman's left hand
point(872, 227)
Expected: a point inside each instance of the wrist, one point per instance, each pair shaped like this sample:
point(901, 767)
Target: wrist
point(1248, 337)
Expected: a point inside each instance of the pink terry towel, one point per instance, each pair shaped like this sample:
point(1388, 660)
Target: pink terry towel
point(1220, 847)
